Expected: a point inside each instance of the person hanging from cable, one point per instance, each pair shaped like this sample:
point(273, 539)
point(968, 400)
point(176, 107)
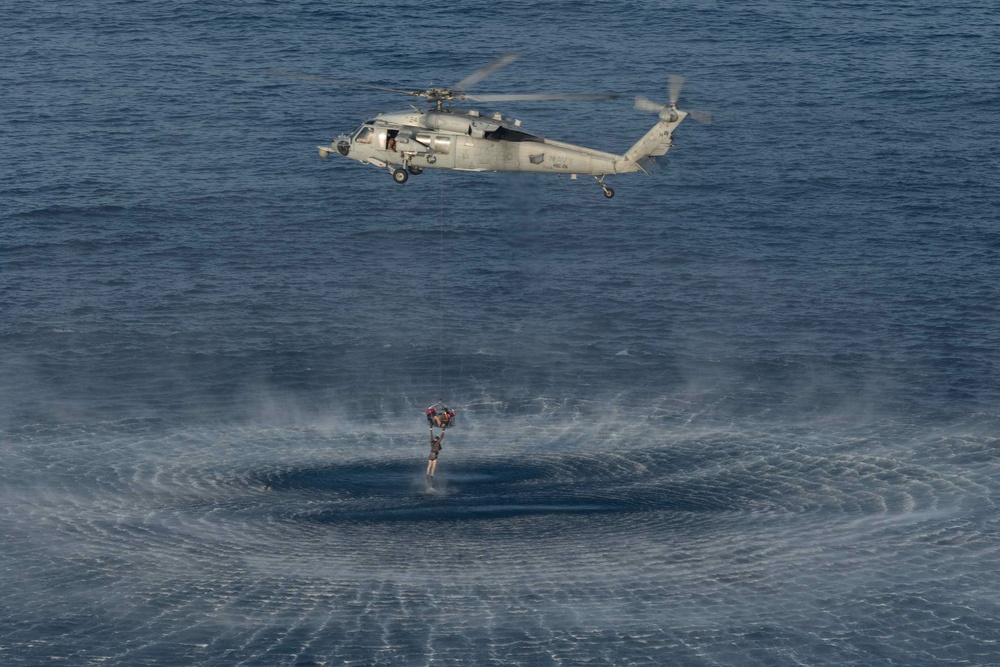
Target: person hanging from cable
point(439, 415)
point(432, 461)
point(432, 417)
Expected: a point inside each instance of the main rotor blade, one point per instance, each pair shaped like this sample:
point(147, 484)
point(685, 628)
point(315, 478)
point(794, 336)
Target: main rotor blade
point(323, 79)
point(484, 72)
point(539, 96)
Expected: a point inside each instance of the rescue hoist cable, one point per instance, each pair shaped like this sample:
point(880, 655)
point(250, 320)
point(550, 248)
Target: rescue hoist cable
point(440, 305)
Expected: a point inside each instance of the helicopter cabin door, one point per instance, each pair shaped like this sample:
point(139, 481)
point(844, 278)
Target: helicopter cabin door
point(469, 156)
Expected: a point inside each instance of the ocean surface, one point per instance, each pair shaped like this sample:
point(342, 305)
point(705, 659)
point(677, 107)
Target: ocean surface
point(745, 413)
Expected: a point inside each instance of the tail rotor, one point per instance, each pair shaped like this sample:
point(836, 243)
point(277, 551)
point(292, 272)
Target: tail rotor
point(676, 83)
point(668, 112)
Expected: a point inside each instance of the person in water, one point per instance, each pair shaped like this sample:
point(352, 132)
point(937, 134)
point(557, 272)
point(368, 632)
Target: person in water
point(432, 461)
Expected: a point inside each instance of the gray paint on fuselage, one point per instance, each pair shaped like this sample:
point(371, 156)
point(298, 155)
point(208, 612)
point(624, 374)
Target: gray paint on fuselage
point(469, 141)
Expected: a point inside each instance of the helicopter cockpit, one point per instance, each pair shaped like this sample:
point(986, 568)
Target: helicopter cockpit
point(364, 135)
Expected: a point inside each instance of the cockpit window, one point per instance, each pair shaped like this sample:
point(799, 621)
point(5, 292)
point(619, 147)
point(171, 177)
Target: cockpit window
point(364, 136)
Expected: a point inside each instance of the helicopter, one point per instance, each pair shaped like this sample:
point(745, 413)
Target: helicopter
point(442, 137)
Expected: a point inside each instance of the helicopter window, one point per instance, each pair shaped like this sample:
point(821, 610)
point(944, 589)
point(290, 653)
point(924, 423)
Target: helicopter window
point(364, 136)
point(424, 139)
point(442, 145)
point(515, 135)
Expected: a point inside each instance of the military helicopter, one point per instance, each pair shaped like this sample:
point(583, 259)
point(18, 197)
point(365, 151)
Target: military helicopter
point(442, 137)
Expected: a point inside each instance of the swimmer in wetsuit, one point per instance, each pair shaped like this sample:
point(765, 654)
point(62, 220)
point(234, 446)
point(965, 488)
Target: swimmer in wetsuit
point(432, 461)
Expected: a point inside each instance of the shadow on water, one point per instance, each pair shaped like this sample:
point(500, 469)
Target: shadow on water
point(389, 478)
point(396, 491)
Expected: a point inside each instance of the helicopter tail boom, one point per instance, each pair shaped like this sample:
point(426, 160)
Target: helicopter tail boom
point(653, 144)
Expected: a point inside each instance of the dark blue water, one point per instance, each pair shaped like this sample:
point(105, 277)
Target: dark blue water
point(744, 413)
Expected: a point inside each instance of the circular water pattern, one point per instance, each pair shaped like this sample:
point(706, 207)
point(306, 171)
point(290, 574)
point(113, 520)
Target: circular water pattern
point(744, 413)
point(264, 546)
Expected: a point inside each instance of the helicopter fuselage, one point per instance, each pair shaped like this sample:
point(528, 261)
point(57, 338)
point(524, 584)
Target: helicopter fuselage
point(468, 141)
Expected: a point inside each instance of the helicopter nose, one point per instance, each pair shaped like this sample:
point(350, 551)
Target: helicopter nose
point(344, 147)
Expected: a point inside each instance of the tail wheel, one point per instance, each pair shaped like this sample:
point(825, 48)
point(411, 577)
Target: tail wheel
point(400, 175)
point(609, 193)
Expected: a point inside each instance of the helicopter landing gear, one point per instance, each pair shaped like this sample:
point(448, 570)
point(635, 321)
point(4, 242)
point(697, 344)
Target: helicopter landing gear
point(608, 192)
point(414, 170)
point(400, 175)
